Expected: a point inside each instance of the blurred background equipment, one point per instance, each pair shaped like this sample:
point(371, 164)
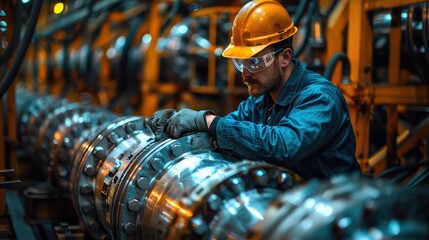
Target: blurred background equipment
point(78, 161)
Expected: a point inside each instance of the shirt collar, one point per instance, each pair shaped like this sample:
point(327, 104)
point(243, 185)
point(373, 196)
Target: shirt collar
point(289, 88)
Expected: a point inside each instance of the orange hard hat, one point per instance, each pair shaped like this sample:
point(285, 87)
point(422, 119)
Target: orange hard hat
point(257, 25)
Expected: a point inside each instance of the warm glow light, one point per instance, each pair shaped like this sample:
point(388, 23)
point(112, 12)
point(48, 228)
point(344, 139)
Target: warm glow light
point(58, 8)
point(176, 206)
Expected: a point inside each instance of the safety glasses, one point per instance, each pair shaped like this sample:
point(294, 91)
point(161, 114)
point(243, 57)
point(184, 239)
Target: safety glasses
point(255, 64)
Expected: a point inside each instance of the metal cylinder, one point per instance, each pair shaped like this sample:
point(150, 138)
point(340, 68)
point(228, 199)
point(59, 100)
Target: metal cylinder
point(124, 184)
point(139, 188)
point(346, 208)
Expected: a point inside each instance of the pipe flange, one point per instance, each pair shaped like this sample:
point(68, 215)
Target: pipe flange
point(136, 179)
point(205, 202)
point(96, 161)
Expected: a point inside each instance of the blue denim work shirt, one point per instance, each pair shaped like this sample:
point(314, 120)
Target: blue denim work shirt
point(309, 131)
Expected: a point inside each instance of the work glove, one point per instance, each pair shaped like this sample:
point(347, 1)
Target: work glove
point(158, 122)
point(186, 121)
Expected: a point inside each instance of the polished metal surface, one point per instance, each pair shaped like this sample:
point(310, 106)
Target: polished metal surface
point(228, 202)
point(125, 185)
point(52, 129)
point(346, 208)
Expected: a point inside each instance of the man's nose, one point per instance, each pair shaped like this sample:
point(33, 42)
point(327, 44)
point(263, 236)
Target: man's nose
point(245, 73)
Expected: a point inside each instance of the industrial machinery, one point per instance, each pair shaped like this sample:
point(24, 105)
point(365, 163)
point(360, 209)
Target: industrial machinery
point(79, 161)
point(322, 210)
point(125, 185)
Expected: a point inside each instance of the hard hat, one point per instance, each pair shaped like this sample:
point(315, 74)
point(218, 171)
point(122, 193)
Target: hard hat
point(257, 25)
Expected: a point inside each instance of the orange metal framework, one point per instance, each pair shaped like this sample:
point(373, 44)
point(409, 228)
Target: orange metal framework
point(363, 95)
point(151, 87)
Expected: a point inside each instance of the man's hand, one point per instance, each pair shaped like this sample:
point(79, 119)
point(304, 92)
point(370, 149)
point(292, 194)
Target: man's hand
point(158, 122)
point(186, 121)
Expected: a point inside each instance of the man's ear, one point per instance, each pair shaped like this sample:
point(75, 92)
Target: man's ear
point(286, 57)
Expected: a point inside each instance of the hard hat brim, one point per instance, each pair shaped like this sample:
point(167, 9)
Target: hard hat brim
point(242, 52)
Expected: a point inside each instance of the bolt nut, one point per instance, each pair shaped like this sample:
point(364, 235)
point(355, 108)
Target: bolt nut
point(214, 202)
point(133, 205)
point(94, 226)
point(143, 183)
point(129, 228)
point(130, 127)
point(85, 189)
point(99, 152)
point(176, 149)
point(89, 170)
point(68, 143)
point(285, 181)
point(76, 131)
point(261, 177)
point(157, 164)
point(87, 208)
point(113, 138)
point(197, 142)
point(236, 185)
point(198, 225)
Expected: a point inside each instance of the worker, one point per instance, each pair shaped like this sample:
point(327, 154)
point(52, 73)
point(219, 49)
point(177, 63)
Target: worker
point(294, 118)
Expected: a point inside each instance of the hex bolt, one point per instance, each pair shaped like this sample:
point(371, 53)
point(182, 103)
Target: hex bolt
point(87, 208)
point(89, 170)
point(198, 225)
point(68, 143)
point(94, 226)
point(236, 185)
point(99, 152)
point(369, 212)
point(130, 127)
point(261, 177)
point(62, 172)
point(224, 191)
point(197, 142)
point(157, 164)
point(76, 132)
point(87, 123)
point(133, 205)
point(285, 181)
point(101, 119)
point(129, 228)
point(176, 149)
point(143, 183)
point(341, 227)
point(85, 189)
point(214, 202)
point(113, 138)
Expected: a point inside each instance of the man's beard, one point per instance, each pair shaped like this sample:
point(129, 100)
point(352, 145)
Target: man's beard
point(255, 88)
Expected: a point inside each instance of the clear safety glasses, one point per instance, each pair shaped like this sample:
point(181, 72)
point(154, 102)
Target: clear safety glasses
point(255, 64)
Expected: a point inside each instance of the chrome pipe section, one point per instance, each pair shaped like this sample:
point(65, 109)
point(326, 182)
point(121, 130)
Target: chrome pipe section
point(128, 186)
point(125, 185)
point(227, 203)
point(51, 131)
point(346, 208)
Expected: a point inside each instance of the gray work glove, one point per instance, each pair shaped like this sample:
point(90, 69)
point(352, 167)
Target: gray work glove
point(158, 122)
point(186, 121)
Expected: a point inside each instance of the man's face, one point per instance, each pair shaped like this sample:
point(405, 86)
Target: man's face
point(267, 81)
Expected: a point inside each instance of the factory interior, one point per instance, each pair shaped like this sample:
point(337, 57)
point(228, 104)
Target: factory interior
point(81, 78)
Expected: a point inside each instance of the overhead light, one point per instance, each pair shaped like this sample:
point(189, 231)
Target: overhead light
point(59, 8)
